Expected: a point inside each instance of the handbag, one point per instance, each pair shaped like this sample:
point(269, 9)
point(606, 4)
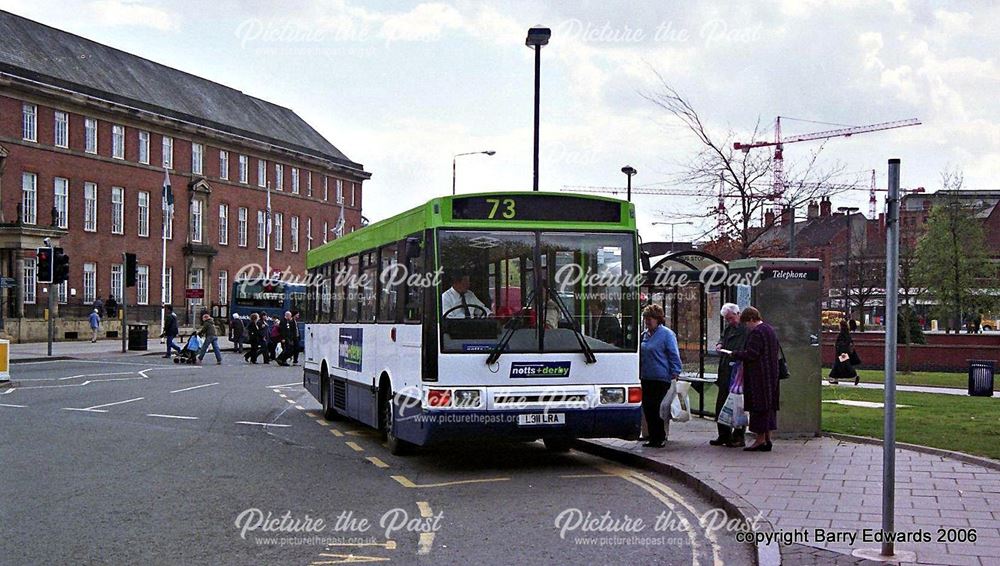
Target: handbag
point(782, 365)
point(854, 357)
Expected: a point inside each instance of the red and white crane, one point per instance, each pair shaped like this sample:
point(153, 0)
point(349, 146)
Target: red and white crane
point(778, 163)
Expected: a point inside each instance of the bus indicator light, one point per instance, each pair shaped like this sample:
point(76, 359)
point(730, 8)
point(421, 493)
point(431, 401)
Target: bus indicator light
point(439, 398)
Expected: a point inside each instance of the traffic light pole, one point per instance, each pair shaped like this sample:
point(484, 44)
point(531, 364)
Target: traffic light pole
point(52, 315)
point(124, 305)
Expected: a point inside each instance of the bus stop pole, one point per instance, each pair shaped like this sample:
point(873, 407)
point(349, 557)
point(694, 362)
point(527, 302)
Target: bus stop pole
point(891, 307)
point(124, 307)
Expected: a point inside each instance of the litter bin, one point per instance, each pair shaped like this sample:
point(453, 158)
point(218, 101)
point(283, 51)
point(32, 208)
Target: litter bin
point(138, 336)
point(981, 378)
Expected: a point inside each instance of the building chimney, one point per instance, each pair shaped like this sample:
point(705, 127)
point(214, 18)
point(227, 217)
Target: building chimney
point(768, 218)
point(813, 209)
point(786, 216)
point(825, 206)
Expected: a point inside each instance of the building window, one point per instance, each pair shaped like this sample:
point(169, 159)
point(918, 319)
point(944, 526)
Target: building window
point(224, 287)
point(354, 202)
point(223, 224)
point(295, 180)
point(340, 191)
point(89, 283)
point(168, 152)
point(61, 200)
point(142, 284)
point(196, 220)
point(90, 135)
point(29, 197)
point(118, 141)
point(294, 234)
point(168, 286)
point(61, 131)
point(117, 210)
point(279, 241)
point(90, 207)
point(117, 281)
point(197, 158)
point(279, 176)
point(244, 162)
point(261, 173)
point(223, 164)
point(62, 292)
point(29, 126)
point(168, 226)
point(326, 231)
point(144, 214)
point(28, 283)
point(241, 227)
point(261, 229)
point(326, 188)
point(309, 233)
point(309, 183)
point(144, 148)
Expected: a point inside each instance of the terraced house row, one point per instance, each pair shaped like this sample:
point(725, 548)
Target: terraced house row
point(87, 133)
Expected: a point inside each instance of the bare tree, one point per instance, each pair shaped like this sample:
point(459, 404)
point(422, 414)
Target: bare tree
point(745, 178)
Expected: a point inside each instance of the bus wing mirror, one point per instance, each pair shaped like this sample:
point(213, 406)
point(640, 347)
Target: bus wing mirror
point(412, 248)
point(644, 260)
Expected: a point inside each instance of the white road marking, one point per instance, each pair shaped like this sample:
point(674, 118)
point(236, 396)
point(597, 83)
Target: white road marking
point(141, 375)
point(84, 410)
point(285, 385)
point(195, 387)
point(262, 424)
point(9, 405)
point(172, 417)
point(9, 391)
point(115, 403)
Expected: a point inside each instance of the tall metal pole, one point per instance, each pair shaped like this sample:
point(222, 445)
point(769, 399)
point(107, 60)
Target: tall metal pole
point(453, 159)
point(52, 313)
point(538, 70)
point(891, 307)
point(124, 299)
point(267, 231)
point(630, 188)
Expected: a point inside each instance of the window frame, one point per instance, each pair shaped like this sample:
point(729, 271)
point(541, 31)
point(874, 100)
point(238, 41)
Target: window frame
point(142, 212)
point(167, 144)
point(144, 137)
point(29, 214)
point(62, 211)
point(90, 207)
point(117, 141)
point(223, 224)
point(90, 135)
point(60, 126)
point(118, 211)
point(242, 221)
point(197, 158)
point(223, 165)
point(29, 122)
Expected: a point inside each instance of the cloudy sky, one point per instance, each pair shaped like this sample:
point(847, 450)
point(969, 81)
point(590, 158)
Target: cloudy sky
point(403, 86)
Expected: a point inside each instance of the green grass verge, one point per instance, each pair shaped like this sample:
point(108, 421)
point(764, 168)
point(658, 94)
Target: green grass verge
point(951, 422)
point(922, 378)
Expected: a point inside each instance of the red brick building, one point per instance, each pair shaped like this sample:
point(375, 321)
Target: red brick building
point(86, 133)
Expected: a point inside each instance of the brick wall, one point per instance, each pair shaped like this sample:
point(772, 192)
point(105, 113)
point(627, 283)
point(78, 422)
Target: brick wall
point(941, 353)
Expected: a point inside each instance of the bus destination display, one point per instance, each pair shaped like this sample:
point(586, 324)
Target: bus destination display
point(539, 208)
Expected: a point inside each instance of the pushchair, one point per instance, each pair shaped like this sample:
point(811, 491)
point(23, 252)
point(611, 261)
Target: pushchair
point(189, 353)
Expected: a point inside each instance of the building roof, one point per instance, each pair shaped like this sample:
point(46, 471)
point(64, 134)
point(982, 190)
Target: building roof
point(813, 232)
point(981, 202)
point(54, 57)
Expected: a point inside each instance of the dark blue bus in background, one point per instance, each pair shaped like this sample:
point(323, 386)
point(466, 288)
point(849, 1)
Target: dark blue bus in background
point(272, 299)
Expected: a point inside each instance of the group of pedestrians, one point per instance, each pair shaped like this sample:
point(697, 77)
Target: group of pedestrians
point(264, 334)
point(747, 339)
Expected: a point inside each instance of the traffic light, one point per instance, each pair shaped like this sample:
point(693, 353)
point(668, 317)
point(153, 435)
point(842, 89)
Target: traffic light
point(60, 266)
point(43, 263)
point(130, 270)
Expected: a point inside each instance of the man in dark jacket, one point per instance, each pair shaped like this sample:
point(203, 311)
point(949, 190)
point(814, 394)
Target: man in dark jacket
point(734, 337)
point(112, 306)
point(289, 333)
point(237, 333)
point(170, 329)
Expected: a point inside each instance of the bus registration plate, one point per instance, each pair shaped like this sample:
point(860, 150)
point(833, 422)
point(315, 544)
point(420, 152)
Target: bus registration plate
point(541, 419)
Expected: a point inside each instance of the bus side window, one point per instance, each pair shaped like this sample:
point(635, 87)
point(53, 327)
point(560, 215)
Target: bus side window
point(368, 296)
point(352, 296)
point(414, 266)
point(338, 292)
point(387, 283)
point(324, 302)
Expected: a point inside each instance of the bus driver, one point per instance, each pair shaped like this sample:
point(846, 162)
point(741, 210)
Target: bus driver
point(459, 302)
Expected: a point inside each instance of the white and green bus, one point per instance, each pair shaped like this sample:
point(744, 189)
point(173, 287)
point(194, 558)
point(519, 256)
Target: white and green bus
point(507, 315)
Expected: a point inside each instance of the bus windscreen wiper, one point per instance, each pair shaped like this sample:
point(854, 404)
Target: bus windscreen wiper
point(509, 329)
point(588, 352)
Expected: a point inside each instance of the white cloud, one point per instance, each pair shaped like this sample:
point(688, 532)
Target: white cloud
point(132, 13)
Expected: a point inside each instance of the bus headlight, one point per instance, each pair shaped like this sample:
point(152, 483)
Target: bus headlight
point(612, 395)
point(467, 398)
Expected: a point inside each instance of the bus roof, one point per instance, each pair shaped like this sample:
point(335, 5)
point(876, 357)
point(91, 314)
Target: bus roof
point(511, 210)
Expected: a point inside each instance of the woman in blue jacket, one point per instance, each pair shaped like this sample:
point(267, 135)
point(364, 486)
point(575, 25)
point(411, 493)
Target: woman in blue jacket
point(659, 365)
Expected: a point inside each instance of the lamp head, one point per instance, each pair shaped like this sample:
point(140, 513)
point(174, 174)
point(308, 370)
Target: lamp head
point(538, 36)
point(629, 170)
point(490, 152)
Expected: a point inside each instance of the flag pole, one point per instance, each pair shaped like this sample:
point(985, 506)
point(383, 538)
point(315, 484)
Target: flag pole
point(267, 230)
point(163, 234)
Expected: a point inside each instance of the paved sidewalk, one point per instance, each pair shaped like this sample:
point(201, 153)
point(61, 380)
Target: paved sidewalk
point(907, 388)
point(79, 349)
point(836, 485)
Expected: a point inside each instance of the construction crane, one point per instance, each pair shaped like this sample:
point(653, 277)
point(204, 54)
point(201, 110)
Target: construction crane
point(778, 163)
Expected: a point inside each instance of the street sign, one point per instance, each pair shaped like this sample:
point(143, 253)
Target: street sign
point(194, 293)
point(7, 282)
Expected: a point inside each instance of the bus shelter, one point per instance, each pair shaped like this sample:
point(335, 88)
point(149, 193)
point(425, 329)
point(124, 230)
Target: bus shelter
point(684, 284)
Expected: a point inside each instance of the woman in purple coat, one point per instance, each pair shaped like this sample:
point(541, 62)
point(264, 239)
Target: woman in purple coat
point(760, 378)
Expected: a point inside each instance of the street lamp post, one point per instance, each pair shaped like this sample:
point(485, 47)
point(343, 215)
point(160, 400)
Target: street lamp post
point(672, 225)
point(848, 211)
point(537, 37)
point(629, 171)
point(489, 152)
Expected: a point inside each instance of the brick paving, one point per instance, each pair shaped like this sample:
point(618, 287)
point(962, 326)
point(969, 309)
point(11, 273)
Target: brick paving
point(834, 484)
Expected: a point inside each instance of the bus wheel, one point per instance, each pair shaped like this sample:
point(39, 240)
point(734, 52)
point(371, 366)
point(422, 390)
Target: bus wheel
point(396, 446)
point(329, 413)
point(558, 444)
